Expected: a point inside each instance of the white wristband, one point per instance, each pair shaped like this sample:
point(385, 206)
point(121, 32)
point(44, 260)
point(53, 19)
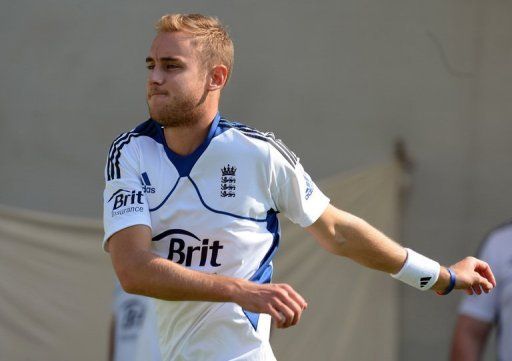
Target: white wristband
point(418, 271)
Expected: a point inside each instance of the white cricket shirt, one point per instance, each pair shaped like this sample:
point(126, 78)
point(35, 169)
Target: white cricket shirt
point(496, 306)
point(136, 333)
point(213, 211)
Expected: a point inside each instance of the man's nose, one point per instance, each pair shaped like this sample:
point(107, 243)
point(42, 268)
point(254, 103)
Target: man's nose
point(156, 76)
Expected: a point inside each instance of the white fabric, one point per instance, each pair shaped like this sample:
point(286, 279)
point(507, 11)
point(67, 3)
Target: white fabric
point(418, 271)
point(218, 217)
point(496, 306)
point(55, 288)
point(136, 333)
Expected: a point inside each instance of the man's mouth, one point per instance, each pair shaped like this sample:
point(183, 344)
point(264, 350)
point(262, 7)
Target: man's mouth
point(152, 93)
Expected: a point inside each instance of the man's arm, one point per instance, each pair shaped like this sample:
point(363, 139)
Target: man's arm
point(346, 235)
point(142, 272)
point(469, 339)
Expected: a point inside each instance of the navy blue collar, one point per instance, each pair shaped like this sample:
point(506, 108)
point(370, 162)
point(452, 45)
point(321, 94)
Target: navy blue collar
point(185, 163)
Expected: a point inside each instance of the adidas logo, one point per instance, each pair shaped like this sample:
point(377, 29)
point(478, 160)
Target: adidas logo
point(424, 281)
point(146, 184)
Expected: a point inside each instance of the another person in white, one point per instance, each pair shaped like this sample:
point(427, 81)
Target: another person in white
point(191, 204)
point(134, 335)
point(478, 315)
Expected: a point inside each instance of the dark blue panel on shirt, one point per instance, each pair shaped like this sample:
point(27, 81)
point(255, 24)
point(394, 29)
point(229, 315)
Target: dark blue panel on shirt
point(184, 164)
point(264, 272)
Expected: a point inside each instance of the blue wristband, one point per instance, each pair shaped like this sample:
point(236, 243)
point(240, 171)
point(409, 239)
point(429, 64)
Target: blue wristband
point(451, 286)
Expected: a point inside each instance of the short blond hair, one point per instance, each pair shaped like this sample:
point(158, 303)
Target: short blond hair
point(215, 44)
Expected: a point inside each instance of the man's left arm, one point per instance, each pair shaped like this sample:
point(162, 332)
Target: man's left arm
point(344, 234)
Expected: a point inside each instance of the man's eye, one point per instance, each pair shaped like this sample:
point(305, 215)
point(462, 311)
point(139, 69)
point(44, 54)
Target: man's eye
point(150, 66)
point(172, 66)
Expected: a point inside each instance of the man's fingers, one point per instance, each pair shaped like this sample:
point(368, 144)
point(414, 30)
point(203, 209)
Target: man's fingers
point(485, 284)
point(292, 300)
point(469, 291)
point(295, 296)
point(288, 314)
point(276, 316)
point(485, 271)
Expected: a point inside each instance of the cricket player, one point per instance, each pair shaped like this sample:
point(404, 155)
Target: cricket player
point(191, 204)
point(479, 315)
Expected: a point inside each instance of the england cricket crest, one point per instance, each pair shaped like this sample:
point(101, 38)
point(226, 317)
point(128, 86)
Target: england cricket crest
point(228, 181)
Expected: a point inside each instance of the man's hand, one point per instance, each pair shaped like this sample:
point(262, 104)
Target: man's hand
point(473, 276)
point(280, 301)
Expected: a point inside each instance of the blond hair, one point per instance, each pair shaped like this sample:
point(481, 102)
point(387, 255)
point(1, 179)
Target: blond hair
point(216, 47)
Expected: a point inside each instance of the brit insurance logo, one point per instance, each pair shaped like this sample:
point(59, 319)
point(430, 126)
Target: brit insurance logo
point(125, 201)
point(187, 249)
point(228, 181)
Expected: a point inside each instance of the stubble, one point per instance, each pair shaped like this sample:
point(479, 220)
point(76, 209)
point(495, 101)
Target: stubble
point(179, 111)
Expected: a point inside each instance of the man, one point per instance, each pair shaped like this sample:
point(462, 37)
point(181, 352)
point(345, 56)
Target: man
point(478, 315)
point(191, 203)
point(133, 334)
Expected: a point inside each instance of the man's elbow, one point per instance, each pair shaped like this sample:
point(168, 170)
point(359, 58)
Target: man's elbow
point(343, 237)
point(130, 275)
point(334, 244)
point(128, 282)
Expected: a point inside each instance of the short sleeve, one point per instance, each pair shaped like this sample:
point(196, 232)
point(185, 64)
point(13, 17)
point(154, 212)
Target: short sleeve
point(124, 202)
point(483, 307)
point(293, 192)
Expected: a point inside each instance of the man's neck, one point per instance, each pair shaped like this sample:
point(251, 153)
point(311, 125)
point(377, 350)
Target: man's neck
point(185, 140)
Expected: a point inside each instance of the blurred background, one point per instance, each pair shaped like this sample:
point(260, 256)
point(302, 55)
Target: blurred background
point(338, 81)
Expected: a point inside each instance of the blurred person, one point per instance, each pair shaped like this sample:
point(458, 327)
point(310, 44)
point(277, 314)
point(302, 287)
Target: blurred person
point(133, 333)
point(479, 315)
point(191, 203)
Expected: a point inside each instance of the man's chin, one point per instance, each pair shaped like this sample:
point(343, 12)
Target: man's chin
point(172, 117)
point(171, 121)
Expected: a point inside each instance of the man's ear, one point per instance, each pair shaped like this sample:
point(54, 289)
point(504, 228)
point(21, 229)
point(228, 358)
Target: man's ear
point(218, 77)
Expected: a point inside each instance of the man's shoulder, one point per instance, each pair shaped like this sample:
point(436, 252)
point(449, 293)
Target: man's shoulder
point(502, 233)
point(499, 239)
point(260, 138)
point(126, 140)
point(148, 128)
point(244, 129)
point(126, 146)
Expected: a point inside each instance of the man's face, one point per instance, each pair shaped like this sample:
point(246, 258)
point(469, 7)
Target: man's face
point(176, 86)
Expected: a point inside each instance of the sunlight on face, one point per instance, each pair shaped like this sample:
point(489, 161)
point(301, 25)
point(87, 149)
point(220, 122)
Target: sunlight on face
point(176, 84)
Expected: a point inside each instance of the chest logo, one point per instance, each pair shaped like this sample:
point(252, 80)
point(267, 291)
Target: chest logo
point(187, 249)
point(228, 181)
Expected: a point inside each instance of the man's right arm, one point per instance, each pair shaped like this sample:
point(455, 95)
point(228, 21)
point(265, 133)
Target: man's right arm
point(142, 272)
point(469, 338)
